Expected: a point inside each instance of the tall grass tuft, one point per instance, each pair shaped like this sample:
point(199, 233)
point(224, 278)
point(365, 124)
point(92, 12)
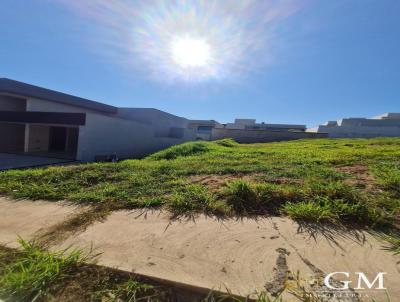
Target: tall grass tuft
point(34, 271)
point(308, 211)
point(195, 198)
point(226, 142)
point(186, 149)
point(241, 196)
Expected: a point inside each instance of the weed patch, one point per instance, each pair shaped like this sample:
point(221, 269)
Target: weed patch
point(353, 180)
point(195, 198)
point(34, 271)
point(187, 149)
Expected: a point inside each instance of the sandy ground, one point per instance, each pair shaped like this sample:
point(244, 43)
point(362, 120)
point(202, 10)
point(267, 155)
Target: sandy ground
point(26, 218)
point(241, 255)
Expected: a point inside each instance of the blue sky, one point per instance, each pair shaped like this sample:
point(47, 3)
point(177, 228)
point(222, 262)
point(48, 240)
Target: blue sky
point(318, 61)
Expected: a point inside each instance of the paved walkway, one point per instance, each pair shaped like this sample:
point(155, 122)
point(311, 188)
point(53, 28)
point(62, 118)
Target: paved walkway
point(242, 255)
point(26, 218)
point(13, 161)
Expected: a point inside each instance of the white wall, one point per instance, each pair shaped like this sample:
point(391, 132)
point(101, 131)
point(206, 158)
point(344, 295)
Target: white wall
point(103, 135)
point(360, 131)
point(106, 134)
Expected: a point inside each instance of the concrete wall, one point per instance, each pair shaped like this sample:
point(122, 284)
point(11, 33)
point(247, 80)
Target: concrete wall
point(12, 137)
point(8, 103)
point(360, 131)
point(261, 136)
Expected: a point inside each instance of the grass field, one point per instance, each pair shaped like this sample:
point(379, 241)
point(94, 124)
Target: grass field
point(343, 181)
point(336, 180)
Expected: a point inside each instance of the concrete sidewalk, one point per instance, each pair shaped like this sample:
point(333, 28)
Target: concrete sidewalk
point(27, 218)
point(244, 256)
point(16, 161)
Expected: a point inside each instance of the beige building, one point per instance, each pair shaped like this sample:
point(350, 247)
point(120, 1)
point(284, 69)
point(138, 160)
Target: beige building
point(385, 125)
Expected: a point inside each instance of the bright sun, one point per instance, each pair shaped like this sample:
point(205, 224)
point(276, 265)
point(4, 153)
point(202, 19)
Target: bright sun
point(190, 52)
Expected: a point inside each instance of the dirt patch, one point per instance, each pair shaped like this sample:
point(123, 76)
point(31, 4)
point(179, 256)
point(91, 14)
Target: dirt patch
point(89, 282)
point(277, 285)
point(214, 181)
point(360, 177)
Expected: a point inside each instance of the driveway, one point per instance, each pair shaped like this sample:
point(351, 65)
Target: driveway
point(13, 161)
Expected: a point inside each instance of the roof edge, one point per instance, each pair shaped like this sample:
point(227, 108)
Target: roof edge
point(27, 90)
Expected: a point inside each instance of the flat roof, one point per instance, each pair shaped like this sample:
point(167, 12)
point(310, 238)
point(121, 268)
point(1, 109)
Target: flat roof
point(12, 87)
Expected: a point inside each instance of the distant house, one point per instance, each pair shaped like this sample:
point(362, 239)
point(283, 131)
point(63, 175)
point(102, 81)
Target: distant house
point(39, 121)
point(385, 125)
point(203, 128)
point(248, 131)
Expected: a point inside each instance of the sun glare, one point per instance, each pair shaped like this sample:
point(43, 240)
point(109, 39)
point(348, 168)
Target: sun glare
point(190, 52)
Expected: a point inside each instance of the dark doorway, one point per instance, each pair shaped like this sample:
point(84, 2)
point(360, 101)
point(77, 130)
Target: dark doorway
point(57, 139)
point(72, 141)
point(12, 137)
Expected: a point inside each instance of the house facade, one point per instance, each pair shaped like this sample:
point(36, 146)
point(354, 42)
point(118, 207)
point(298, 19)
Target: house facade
point(43, 122)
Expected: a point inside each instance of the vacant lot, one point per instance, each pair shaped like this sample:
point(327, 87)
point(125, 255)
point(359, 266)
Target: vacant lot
point(341, 180)
point(341, 183)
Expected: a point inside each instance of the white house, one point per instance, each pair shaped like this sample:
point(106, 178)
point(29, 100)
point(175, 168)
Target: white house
point(39, 121)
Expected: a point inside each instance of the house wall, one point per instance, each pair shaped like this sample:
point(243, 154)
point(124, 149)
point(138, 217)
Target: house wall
point(164, 124)
point(261, 136)
point(8, 103)
point(104, 135)
point(12, 137)
point(135, 133)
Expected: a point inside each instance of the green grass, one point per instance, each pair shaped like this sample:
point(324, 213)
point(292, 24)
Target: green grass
point(195, 198)
point(309, 211)
point(129, 291)
point(302, 179)
point(34, 271)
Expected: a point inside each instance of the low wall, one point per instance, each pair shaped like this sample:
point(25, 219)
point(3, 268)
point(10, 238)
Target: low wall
point(261, 136)
point(360, 131)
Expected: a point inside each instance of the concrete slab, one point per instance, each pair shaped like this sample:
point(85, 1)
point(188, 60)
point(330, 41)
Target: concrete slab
point(25, 218)
point(239, 255)
point(14, 161)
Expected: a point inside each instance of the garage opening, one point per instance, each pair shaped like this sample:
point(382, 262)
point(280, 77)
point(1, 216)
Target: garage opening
point(12, 138)
point(53, 141)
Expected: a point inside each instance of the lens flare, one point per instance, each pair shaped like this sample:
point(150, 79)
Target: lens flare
point(188, 52)
point(187, 40)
